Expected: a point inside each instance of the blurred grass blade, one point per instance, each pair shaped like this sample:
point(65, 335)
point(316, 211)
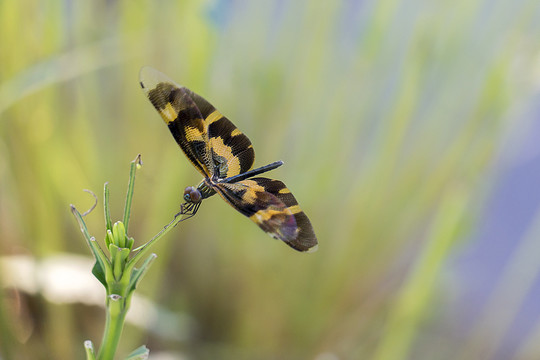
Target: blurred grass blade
point(418, 289)
point(518, 280)
point(62, 67)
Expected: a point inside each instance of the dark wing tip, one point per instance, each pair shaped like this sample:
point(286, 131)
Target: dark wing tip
point(305, 246)
point(312, 249)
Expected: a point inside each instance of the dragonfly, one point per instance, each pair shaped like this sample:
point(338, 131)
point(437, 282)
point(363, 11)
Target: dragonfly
point(224, 156)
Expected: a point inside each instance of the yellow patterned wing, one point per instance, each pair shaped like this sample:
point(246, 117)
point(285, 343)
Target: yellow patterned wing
point(272, 206)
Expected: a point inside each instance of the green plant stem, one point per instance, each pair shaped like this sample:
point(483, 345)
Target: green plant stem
point(117, 271)
point(117, 308)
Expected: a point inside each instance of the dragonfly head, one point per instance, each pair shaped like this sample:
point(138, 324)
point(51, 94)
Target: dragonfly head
point(192, 195)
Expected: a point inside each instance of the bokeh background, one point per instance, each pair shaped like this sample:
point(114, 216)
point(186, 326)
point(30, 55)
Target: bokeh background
point(410, 132)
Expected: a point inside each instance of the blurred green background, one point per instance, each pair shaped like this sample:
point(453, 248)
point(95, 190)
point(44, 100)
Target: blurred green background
point(391, 117)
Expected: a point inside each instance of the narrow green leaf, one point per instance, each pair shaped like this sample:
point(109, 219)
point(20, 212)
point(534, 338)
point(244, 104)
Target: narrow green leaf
point(143, 249)
point(106, 195)
point(89, 350)
point(99, 273)
point(138, 274)
point(141, 353)
point(135, 164)
point(102, 266)
point(99, 269)
point(81, 222)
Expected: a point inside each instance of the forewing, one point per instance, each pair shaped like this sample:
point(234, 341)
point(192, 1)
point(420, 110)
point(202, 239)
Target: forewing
point(273, 208)
point(232, 152)
point(180, 112)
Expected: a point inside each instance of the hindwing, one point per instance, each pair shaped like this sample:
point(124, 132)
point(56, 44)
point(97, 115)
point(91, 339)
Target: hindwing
point(271, 205)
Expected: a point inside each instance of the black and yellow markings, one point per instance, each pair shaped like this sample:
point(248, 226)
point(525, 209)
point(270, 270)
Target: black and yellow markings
point(225, 156)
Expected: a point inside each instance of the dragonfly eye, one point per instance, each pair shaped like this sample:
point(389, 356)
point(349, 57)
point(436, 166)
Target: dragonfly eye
point(192, 195)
